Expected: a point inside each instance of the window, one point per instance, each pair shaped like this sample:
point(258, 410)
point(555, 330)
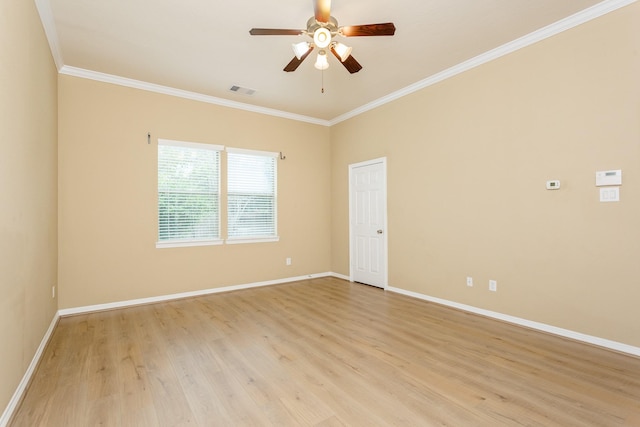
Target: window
point(188, 193)
point(251, 196)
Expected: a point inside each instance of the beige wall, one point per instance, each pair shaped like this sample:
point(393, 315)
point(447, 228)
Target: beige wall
point(28, 190)
point(467, 164)
point(108, 195)
point(467, 158)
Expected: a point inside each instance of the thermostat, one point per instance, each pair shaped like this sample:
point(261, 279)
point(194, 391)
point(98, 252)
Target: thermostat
point(604, 178)
point(553, 185)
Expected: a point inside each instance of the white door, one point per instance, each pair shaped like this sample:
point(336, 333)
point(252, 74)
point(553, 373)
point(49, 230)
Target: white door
point(368, 220)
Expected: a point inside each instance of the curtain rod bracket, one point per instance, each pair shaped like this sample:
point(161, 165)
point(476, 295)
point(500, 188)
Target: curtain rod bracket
point(282, 156)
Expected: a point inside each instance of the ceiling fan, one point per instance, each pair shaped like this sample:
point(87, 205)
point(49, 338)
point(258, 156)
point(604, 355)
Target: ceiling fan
point(323, 28)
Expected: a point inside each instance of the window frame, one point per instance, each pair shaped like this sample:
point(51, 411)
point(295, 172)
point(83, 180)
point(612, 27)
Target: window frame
point(190, 242)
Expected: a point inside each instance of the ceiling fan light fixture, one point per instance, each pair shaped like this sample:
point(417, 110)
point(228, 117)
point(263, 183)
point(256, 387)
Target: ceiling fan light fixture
point(343, 51)
point(321, 62)
point(322, 37)
point(300, 49)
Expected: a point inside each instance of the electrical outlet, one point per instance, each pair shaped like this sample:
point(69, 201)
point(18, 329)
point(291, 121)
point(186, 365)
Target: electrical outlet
point(288, 261)
point(493, 286)
point(470, 281)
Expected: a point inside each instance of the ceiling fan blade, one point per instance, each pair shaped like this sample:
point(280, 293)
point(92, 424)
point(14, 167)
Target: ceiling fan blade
point(295, 62)
point(350, 63)
point(322, 10)
point(274, 32)
point(386, 29)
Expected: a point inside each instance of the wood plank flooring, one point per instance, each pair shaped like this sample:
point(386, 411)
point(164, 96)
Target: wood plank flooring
point(322, 352)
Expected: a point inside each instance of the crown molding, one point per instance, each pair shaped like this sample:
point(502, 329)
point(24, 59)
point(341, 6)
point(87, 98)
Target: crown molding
point(558, 27)
point(194, 96)
point(49, 25)
point(596, 11)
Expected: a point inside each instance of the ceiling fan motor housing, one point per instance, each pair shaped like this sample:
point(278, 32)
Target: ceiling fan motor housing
point(323, 28)
point(331, 25)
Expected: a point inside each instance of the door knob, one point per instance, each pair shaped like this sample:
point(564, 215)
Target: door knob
point(379, 231)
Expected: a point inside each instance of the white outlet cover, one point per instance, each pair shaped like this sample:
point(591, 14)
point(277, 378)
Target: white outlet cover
point(469, 281)
point(493, 285)
point(553, 185)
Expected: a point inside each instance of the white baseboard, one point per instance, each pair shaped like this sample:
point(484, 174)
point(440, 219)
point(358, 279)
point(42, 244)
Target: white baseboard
point(15, 400)
point(17, 395)
point(341, 276)
point(601, 342)
point(26, 378)
point(161, 298)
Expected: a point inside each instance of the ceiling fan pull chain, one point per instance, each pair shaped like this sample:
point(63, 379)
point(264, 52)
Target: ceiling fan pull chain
point(322, 72)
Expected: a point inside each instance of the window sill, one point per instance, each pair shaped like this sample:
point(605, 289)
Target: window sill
point(240, 240)
point(188, 243)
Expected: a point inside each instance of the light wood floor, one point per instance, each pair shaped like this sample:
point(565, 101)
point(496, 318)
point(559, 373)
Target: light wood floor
point(322, 352)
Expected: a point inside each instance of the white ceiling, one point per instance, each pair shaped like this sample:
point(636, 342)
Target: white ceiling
point(204, 46)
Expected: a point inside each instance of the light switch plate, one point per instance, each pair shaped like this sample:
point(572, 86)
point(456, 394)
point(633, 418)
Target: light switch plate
point(610, 194)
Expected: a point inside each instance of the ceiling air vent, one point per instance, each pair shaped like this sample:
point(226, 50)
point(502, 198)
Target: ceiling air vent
point(242, 90)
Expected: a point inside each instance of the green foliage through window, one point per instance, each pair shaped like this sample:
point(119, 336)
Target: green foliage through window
point(188, 192)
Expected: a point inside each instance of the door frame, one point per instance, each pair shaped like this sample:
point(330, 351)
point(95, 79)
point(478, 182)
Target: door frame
point(385, 239)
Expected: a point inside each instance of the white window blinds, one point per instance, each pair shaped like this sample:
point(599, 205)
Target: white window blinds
point(188, 192)
point(251, 194)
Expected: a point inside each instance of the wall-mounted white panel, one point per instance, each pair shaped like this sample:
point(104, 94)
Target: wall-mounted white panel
point(612, 177)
